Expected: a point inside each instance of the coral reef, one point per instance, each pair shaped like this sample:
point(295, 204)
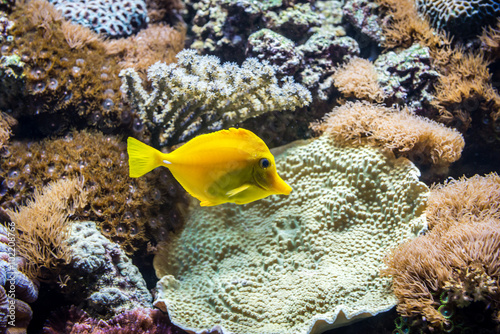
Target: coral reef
point(460, 17)
point(67, 79)
point(294, 22)
point(425, 142)
point(139, 320)
point(197, 95)
point(463, 91)
point(358, 78)
point(101, 278)
point(407, 77)
point(130, 212)
point(323, 52)
point(158, 42)
point(16, 290)
point(267, 45)
point(362, 14)
point(111, 18)
point(42, 226)
point(296, 264)
point(447, 277)
point(490, 40)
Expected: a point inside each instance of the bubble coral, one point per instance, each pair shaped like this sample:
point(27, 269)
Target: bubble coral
point(455, 265)
point(128, 211)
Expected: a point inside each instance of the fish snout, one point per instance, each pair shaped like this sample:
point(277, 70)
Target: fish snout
point(280, 187)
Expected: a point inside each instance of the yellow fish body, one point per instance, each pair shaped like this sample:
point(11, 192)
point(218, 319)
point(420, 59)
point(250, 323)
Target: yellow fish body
point(225, 166)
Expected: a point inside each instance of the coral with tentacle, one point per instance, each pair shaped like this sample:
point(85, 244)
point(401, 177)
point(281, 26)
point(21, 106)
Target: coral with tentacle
point(443, 278)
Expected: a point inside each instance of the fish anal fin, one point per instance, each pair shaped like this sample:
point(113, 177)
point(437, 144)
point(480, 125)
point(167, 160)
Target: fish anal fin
point(208, 203)
point(238, 190)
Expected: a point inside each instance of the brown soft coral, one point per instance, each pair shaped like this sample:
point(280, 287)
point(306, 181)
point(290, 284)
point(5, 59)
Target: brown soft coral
point(129, 211)
point(67, 72)
point(358, 78)
point(42, 226)
point(490, 39)
point(156, 43)
point(420, 139)
point(438, 274)
point(464, 91)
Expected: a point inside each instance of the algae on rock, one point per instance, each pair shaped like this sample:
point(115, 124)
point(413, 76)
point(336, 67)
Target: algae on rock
point(301, 263)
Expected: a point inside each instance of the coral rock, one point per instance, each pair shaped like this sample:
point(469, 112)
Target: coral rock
point(296, 264)
point(278, 50)
point(100, 272)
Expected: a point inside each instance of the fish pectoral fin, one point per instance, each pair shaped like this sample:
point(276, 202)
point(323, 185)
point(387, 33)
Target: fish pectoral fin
point(236, 191)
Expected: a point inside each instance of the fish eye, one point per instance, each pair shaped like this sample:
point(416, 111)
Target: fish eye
point(264, 163)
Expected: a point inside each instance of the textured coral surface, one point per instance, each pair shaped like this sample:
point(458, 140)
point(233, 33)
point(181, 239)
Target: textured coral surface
point(295, 264)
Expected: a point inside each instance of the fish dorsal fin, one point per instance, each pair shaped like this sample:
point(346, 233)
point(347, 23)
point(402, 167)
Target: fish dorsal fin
point(236, 191)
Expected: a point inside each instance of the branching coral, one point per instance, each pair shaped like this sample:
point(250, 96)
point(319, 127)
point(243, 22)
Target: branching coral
point(42, 226)
point(456, 263)
point(418, 138)
point(358, 78)
point(198, 94)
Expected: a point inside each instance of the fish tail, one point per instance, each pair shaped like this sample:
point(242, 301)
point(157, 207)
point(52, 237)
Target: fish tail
point(142, 158)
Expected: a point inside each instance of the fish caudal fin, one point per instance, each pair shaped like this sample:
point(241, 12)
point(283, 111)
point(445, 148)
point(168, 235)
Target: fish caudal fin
point(142, 158)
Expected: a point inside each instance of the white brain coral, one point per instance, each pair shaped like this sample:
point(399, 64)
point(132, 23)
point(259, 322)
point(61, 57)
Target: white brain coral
point(300, 263)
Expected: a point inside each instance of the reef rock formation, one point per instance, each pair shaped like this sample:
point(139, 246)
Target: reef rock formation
point(297, 264)
point(101, 274)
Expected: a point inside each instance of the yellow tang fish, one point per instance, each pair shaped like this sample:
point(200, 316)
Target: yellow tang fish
point(225, 166)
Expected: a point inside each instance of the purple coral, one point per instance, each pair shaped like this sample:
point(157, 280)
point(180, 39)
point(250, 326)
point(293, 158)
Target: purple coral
point(16, 290)
point(139, 320)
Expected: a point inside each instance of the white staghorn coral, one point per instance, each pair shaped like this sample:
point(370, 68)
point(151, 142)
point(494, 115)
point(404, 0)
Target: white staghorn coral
point(199, 94)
